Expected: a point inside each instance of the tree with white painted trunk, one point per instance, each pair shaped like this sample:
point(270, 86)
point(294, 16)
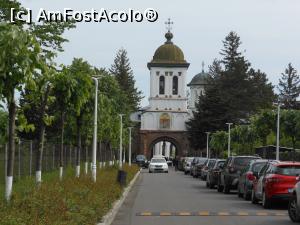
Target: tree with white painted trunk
point(82, 73)
point(63, 87)
point(19, 58)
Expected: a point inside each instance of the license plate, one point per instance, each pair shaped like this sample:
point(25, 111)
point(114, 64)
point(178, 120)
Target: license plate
point(290, 190)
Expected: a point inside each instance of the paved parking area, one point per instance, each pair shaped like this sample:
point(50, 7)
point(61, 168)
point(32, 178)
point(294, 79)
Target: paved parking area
point(178, 199)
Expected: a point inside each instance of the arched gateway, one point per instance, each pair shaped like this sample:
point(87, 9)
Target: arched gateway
point(163, 127)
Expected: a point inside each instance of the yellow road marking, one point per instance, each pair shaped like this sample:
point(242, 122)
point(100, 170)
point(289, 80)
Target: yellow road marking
point(223, 214)
point(280, 214)
point(262, 214)
point(165, 214)
point(146, 214)
point(243, 214)
point(203, 213)
point(184, 214)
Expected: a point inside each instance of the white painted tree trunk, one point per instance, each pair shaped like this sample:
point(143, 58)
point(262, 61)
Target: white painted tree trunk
point(86, 167)
point(100, 165)
point(38, 177)
point(8, 187)
point(77, 171)
point(61, 170)
point(104, 163)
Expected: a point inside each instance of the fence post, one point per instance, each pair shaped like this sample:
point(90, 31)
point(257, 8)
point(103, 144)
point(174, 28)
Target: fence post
point(46, 158)
point(70, 157)
point(5, 162)
point(19, 159)
point(30, 159)
point(53, 156)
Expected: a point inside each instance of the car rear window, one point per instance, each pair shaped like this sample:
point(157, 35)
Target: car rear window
point(288, 170)
point(211, 163)
point(158, 160)
point(140, 157)
point(258, 166)
point(243, 161)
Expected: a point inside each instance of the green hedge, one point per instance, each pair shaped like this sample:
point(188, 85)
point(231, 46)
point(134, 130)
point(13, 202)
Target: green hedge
point(72, 201)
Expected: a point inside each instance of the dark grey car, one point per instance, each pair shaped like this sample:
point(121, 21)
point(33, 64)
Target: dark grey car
point(229, 176)
point(247, 177)
point(213, 173)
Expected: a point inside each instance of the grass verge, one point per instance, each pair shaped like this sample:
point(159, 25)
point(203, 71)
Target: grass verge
point(73, 201)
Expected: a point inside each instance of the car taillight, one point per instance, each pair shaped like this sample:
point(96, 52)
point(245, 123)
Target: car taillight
point(250, 176)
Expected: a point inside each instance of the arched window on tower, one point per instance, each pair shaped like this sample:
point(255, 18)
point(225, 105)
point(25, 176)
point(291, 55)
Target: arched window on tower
point(161, 85)
point(175, 85)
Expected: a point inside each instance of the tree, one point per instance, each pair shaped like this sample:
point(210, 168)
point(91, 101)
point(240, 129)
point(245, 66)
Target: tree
point(291, 126)
point(122, 71)
point(63, 87)
point(219, 142)
point(234, 93)
point(243, 139)
point(289, 87)
point(18, 60)
point(264, 123)
point(82, 73)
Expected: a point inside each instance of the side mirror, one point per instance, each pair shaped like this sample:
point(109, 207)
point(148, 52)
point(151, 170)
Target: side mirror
point(255, 174)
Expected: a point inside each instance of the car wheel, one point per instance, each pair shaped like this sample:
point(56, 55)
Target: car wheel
point(266, 203)
point(294, 211)
point(211, 186)
point(254, 200)
point(207, 184)
point(220, 188)
point(240, 195)
point(226, 189)
point(150, 171)
point(246, 195)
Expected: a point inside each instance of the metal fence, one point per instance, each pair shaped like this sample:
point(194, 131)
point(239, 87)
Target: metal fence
point(25, 157)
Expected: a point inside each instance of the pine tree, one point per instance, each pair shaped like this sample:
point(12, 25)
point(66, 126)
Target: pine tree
point(124, 75)
point(289, 87)
point(233, 93)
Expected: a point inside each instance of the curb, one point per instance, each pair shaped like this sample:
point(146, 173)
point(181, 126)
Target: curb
point(110, 216)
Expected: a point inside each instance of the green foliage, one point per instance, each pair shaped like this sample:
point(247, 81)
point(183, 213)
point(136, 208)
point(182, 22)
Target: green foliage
point(219, 142)
point(3, 126)
point(19, 59)
point(289, 87)
point(122, 71)
point(72, 201)
point(234, 93)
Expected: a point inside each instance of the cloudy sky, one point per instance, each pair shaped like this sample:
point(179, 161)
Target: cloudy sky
point(269, 30)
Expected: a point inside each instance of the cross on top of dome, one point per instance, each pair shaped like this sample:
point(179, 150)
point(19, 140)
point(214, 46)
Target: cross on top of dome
point(169, 24)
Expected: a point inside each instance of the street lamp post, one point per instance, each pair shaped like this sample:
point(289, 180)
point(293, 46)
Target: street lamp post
point(129, 147)
point(229, 139)
point(94, 165)
point(207, 144)
point(278, 131)
point(120, 150)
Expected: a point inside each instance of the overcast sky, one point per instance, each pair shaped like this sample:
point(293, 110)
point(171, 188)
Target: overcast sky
point(269, 30)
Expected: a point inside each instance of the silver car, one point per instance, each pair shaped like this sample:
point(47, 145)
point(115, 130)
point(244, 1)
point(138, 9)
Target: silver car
point(294, 204)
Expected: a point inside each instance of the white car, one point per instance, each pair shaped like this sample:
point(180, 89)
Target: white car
point(188, 164)
point(294, 204)
point(158, 165)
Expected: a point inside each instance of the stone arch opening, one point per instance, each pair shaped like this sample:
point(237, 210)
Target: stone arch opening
point(164, 146)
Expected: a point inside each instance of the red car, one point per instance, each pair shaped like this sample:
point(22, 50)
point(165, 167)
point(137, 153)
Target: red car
point(275, 181)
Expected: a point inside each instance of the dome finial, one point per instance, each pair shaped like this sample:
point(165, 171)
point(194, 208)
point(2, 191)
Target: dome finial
point(203, 64)
point(169, 35)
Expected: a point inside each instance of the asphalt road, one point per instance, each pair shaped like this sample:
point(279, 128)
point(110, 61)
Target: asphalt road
point(178, 199)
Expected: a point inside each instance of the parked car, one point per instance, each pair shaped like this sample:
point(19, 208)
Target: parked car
point(187, 164)
point(158, 164)
point(294, 203)
point(197, 161)
point(247, 177)
point(199, 167)
point(209, 164)
point(275, 181)
point(213, 173)
point(141, 161)
point(229, 175)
